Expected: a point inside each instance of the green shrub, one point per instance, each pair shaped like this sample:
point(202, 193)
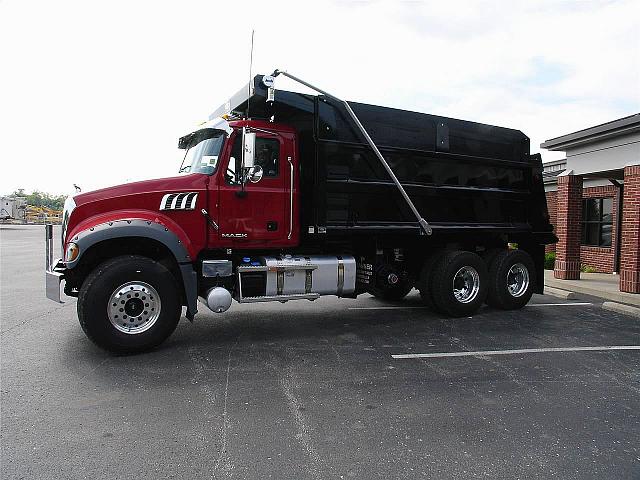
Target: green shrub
point(587, 269)
point(549, 260)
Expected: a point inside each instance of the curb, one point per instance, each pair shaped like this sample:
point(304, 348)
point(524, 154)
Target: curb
point(585, 288)
point(621, 308)
point(556, 292)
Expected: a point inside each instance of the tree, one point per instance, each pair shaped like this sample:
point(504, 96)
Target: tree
point(41, 199)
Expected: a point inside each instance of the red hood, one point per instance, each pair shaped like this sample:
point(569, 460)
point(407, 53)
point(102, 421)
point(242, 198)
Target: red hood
point(142, 199)
point(139, 194)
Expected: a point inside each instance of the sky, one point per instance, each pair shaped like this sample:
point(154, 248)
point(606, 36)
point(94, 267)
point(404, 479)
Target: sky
point(97, 93)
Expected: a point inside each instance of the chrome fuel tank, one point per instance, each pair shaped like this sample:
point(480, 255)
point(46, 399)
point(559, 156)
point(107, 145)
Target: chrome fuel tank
point(321, 274)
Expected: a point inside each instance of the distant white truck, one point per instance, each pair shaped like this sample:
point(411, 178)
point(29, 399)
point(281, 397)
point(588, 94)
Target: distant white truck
point(12, 208)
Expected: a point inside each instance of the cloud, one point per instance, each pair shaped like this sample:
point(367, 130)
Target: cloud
point(98, 93)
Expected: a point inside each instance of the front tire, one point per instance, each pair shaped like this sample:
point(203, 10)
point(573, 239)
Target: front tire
point(459, 283)
point(129, 304)
point(511, 280)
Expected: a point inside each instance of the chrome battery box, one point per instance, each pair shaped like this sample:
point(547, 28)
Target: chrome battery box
point(217, 268)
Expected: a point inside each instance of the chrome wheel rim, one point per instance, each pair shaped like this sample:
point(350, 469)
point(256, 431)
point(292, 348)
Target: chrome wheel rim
point(466, 284)
point(134, 307)
point(517, 280)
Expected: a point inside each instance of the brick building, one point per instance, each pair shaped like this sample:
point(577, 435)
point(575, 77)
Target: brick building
point(594, 201)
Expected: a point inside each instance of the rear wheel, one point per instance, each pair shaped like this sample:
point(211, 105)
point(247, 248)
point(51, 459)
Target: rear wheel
point(129, 304)
point(391, 284)
point(426, 279)
point(459, 283)
point(511, 280)
point(490, 254)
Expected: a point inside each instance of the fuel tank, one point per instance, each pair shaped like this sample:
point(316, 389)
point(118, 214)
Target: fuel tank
point(321, 274)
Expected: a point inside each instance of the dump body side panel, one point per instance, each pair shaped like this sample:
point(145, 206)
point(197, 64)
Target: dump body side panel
point(459, 174)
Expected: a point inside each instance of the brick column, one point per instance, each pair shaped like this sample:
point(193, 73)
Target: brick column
point(568, 227)
point(630, 251)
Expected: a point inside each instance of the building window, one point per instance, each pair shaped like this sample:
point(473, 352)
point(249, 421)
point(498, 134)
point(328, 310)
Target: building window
point(597, 221)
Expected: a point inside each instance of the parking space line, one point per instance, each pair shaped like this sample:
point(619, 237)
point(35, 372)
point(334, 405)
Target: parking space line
point(516, 351)
point(557, 304)
point(387, 308)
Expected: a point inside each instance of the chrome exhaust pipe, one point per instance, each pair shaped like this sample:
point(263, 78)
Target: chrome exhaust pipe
point(48, 238)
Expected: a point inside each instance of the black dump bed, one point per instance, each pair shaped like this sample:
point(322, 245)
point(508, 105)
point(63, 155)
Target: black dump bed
point(459, 174)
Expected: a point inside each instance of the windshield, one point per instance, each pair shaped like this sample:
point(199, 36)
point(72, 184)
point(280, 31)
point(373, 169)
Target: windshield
point(203, 153)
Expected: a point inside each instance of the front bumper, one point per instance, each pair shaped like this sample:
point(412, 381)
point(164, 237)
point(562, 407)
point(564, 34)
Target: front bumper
point(53, 279)
point(54, 271)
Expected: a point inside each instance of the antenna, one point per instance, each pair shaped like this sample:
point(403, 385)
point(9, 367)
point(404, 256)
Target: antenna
point(250, 66)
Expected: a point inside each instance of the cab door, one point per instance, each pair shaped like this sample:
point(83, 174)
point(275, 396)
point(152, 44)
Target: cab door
point(256, 214)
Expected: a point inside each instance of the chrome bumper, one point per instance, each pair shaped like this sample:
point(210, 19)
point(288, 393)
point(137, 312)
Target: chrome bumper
point(53, 270)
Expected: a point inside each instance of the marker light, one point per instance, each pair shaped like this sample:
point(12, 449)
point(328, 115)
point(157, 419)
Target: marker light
point(71, 252)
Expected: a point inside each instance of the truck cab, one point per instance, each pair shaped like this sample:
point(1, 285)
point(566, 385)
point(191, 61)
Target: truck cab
point(253, 187)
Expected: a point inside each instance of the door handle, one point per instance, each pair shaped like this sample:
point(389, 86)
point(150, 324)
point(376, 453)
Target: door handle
point(290, 199)
point(210, 220)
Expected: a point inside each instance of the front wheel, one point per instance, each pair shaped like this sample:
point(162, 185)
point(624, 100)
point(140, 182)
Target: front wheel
point(129, 304)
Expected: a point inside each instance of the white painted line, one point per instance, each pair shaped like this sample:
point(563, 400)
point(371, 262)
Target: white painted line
point(427, 308)
point(557, 304)
point(516, 352)
point(386, 308)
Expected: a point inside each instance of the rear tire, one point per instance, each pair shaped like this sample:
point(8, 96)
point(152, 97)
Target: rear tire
point(511, 280)
point(459, 283)
point(386, 290)
point(490, 254)
point(129, 304)
point(426, 279)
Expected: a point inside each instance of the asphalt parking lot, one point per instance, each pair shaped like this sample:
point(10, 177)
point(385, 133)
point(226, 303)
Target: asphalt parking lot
point(312, 390)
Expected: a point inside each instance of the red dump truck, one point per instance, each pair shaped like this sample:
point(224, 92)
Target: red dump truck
point(289, 196)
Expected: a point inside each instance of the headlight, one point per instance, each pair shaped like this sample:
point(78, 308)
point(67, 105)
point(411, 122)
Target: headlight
point(71, 253)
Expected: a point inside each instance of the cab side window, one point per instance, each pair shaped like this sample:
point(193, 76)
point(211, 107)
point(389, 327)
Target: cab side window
point(267, 155)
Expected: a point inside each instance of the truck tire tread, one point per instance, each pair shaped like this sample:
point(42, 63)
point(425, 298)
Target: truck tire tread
point(426, 278)
point(498, 295)
point(98, 286)
point(442, 281)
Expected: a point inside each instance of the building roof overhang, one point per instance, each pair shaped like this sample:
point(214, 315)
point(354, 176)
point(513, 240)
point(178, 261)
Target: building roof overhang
point(599, 132)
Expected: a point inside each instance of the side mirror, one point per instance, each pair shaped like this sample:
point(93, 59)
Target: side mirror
point(248, 148)
point(254, 174)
